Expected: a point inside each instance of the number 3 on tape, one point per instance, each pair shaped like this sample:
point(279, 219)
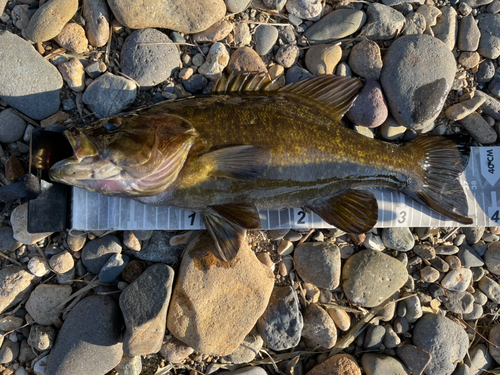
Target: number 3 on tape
point(301, 219)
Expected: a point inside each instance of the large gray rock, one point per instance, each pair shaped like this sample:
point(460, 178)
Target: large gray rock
point(336, 25)
point(149, 57)
point(414, 91)
point(144, 305)
point(15, 285)
point(96, 14)
point(318, 263)
point(489, 44)
point(89, 342)
point(381, 364)
point(370, 277)
point(97, 252)
point(109, 94)
point(28, 82)
point(444, 339)
point(281, 324)
point(186, 16)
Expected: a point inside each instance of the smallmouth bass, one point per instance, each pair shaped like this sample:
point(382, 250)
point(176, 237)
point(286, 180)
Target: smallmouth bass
point(247, 146)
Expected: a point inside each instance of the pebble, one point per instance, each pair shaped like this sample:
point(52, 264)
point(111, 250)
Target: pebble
point(287, 55)
point(242, 36)
point(158, 249)
point(337, 364)
point(463, 109)
point(365, 60)
point(247, 351)
point(369, 108)
point(10, 323)
point(109, 94)
point(494, 85)
point(477, 273)
point(492, 258)
point(401, 325)
point(144, 305)
point(383, 23)
point(281, 324)
point(318, 264)
point(391, 130)
point(275, 4)
point(202, 280)
point(296, 74)
point(370, 277)
point(469, 257)
point(72, 37)
point(493, 7)
point(391, 339)
point(336, 25)
point(468, 34)
point(8, 351)
point(489, 43)
point(415, 24)
point(479, 359)
point(285, 247)
point(446, 28)
point(195, 83)
point(415, 359)
point(444, 339)
point(41, 337)
point(412, 90)
point(319, 328)
point(429, 274)
point(494, 340)
point(341, 318)
point(400, 239)
point(96, 15)
point(479, 129)
point(469, 60)
point(129, 365)
point(28, 82)
point(113, 268)
point(381, 364)
point(148, 57)
point(96, 253)
point(459, 302)
point(75, 242)
point(374, 337)
point(265, 38)
point(304, 9)
point(430, 12)
point(251, 370)
point(48, 21)
point(19, 15)
point(12, 129)
point(214, 33)
point(40, 367)
point(491, 106)
point(323, 58)
point(43, 301)
point(413, 309)
point(245, 59)
point(38, 266)
point(62, 262)
point(165, 14)
point(237, 6)
point(424, 251)
point(490, 288)
point(91, 330)
point(476, 313)
point(175, 351)
point(457, 280)
point(15, 285)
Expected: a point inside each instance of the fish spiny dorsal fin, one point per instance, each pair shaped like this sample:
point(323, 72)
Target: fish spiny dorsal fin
point(337, 92)
point(245, 82)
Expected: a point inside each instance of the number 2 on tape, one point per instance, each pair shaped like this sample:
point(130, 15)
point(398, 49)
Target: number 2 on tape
point(301, 218)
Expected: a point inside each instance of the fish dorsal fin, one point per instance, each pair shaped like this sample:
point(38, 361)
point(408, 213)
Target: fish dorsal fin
point(245, 82)
point(240, 162)
point(353, 211)
point(335, 94)
point(227, 224)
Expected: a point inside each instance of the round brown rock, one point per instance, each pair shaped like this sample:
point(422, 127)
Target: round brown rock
point(96, 16)
point(323, 59)
point(369, 108)
point(339, 364)
point(370, 277)
point(365, 59)
point(245, 59)
point(72, 37)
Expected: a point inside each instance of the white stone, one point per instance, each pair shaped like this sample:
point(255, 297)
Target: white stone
point(373, 242)
point(38, 267)
point(457, 280)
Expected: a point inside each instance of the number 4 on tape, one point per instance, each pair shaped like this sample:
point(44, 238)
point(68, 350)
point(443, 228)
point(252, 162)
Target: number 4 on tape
point(493, 211)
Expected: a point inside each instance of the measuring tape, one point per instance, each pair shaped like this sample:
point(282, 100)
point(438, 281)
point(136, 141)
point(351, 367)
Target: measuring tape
point(93, 211)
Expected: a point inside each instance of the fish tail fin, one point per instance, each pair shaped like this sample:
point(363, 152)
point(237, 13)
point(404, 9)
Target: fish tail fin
point(436, 184)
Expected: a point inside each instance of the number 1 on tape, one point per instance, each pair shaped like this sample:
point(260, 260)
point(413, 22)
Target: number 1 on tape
point(190, 218)
point(301, 219)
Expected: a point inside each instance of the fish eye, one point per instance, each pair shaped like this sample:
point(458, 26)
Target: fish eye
point(111, 126)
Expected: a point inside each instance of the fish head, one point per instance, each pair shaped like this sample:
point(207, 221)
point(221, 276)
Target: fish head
point(129, 157)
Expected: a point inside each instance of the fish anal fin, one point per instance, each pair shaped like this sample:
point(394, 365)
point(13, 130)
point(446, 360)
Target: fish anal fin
point(227, 223)
point(239, 162)
point(336, 92)
point(244, 82)
point(353, 211)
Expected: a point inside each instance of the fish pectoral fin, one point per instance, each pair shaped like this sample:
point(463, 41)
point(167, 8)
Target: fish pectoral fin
point(333, 92)
point(240, 162)
point(353, 211)
point(227, 223)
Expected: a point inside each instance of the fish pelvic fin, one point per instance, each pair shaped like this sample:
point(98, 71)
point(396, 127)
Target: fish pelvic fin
point(227, 224)
point(437, 183)
point(334, 94)
point(239, 162)
point(353, 211)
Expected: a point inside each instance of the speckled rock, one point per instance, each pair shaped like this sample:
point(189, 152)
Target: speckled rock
point(96, 15)
point(73, 74)
point(444, 339)
point(365, 59)
point(381, 364)
point(49, 19)
point(415, 24)
point(42, 302)
point(186, 16)
point(369, 108)
point(335, 25)
point(323, 59)
point(202, 280)
point(287, 55)
point(338, 364)
point(15, 285)
point(446, 28)
point(109, 94)
point(304, 9)
point(28, 82)
point(383, 22)
point(148, 57)
point(489, 44)
point(245, 59)
point(72, 37)
point(413, 91)
point(319, 328)
point(370, 277)
point(214, 33)
point(318, 264)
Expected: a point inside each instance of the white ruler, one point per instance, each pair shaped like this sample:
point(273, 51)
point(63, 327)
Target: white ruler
point(481, 181)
